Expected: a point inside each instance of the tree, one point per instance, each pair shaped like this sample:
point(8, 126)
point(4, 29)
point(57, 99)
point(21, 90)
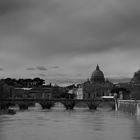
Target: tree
point(38, 81)
point(135, 92)
point(5, 90)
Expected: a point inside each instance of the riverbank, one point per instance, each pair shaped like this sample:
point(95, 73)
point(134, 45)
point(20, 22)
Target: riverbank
point(130, 106)
point(8, 112)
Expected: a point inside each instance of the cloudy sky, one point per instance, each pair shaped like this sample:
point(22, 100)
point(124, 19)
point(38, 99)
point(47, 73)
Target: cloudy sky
point(68, 38)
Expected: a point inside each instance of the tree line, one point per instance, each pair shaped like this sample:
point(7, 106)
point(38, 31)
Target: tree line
point(7, 85)
point(26, 83)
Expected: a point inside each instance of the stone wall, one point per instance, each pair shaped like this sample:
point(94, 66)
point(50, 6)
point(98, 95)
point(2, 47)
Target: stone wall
point(129, 106)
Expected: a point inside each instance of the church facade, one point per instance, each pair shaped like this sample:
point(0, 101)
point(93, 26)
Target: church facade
point(97, 85)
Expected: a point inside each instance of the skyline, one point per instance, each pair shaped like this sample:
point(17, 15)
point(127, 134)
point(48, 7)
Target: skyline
point(65, 39)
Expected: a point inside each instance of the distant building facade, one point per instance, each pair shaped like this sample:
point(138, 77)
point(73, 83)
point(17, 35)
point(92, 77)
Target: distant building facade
point(41, 92)
point(21, 93)
point(129, 90)
point(79, 92)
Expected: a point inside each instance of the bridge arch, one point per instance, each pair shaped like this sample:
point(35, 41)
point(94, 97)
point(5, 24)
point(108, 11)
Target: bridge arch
point(58, 103)
point(81, 104)
point(68, 104)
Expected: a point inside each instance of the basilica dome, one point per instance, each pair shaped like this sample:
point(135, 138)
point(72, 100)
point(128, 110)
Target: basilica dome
point(97, 76)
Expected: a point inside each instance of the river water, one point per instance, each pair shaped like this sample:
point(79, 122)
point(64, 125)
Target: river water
point(79, 124)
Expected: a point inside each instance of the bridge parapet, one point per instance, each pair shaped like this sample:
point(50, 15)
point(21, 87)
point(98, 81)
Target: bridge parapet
point(130, 106)
point(48, 103)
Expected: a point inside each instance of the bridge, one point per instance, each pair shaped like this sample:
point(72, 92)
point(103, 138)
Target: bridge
point(69, 104)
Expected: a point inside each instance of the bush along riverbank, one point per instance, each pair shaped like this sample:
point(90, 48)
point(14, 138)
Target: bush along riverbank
point(7, 111)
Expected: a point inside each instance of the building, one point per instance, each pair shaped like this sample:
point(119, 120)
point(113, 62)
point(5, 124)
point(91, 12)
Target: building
point(135, 86)
point(129, 90)
point(97, 85)
point(21, 93)
point(79, 93)
point(41, 92)
point(122, 90)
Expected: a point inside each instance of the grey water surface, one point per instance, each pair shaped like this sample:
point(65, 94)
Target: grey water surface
point(79, 124)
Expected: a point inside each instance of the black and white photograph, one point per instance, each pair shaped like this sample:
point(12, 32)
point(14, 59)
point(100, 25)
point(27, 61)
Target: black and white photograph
point(69, 69)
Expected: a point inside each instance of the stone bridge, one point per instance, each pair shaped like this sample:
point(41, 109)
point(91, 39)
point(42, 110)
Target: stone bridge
point(69, 104)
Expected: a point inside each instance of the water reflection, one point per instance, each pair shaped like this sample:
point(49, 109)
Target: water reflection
point(59, 124)
point(136, 128)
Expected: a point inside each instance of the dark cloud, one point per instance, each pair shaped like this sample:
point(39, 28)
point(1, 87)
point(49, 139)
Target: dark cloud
point(56, 32)
point(55, 67)
point(41, 68)
point(1, 69)
point(8, 6)
point(65, 27)
point(32, 69)
point(70, 29)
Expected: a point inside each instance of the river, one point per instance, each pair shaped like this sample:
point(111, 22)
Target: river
point(79, 124)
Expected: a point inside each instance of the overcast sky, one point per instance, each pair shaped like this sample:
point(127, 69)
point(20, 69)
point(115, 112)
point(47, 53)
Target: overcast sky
point(68, 38)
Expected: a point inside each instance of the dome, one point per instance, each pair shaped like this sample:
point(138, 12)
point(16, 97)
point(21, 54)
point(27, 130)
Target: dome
point(97, 76)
